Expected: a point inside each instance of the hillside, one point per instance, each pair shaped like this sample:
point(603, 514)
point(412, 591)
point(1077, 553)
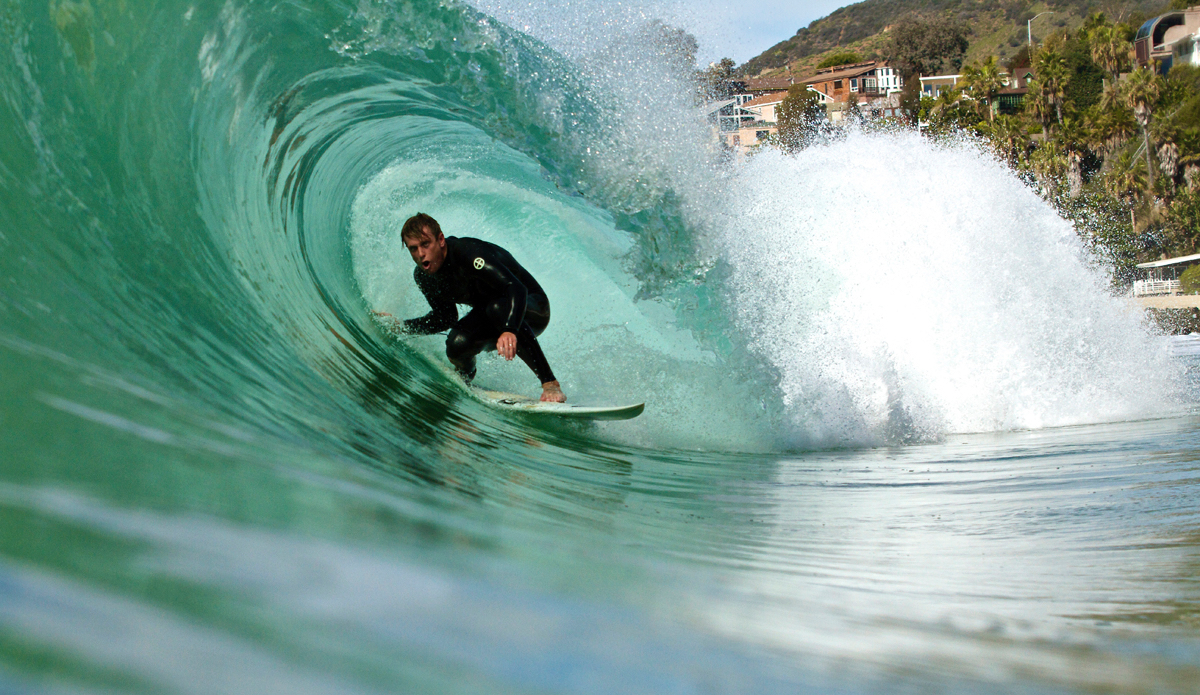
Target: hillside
point(996, 27)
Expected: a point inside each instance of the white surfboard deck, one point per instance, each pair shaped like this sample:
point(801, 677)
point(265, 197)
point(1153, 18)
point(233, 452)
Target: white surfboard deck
point(533, 406)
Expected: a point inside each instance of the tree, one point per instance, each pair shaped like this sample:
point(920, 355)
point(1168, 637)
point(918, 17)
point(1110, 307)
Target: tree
point(1125, 180)
point(1020, 59)
point(1070, 139)
point(1008, 139)
point(1111, 124)
point(984, 83)
point(1142, 90)
point(1039, 104)
point(924, 46)
point(1189, 282)
point(799, 117)
point(674, 47)
point(1052, 78)
point(1109, 49)
point(715, 81)
point(1049, 166)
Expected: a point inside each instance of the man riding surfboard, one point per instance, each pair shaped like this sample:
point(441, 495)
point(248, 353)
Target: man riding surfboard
point(509, 309)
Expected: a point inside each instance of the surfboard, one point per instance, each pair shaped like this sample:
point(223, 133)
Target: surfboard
point(532, 406)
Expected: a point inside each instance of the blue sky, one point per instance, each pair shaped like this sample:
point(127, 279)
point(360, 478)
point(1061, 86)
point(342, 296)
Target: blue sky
point(756, 25)
point(738, 29)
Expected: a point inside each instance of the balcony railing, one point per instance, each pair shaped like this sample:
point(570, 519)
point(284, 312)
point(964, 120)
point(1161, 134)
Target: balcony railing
point(1147, 288)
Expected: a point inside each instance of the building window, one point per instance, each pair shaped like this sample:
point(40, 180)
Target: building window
point(854, 84)
point(837, 84)
point(761, 134)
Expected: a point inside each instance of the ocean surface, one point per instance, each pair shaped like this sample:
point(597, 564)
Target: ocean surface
point(899, 434)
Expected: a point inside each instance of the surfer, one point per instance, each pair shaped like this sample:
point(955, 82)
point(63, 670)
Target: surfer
point(509, 309)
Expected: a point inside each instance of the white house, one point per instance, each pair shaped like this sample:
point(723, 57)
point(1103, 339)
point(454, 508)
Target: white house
point(765, 105)
point(1162, 277)
point(889, 79)
point(1186, 50)
point(934, 85)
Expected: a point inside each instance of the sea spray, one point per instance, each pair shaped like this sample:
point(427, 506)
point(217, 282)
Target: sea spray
point(903, 289)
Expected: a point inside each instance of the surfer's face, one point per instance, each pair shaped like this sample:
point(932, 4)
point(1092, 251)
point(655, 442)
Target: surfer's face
point(428, 252)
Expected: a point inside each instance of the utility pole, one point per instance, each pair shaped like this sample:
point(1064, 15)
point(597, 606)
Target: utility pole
point(1029, 28)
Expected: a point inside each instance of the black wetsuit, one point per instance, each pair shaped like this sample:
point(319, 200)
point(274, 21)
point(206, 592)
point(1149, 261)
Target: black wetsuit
point(503, 296)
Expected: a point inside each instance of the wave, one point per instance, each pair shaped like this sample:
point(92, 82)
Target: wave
point(217, 192)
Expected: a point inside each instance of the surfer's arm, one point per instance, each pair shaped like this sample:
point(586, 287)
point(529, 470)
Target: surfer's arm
point(433, 322)
point(442, 316)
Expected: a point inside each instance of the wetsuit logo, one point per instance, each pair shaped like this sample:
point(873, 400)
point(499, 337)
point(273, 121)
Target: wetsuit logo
point(478, 263)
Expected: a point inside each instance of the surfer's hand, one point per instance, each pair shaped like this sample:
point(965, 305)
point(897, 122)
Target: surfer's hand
point(552, 392)
point(388, 320)
point(507, 345)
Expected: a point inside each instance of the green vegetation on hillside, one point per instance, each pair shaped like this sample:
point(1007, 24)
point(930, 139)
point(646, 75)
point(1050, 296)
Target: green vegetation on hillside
point(840, 58)
point(994, 27)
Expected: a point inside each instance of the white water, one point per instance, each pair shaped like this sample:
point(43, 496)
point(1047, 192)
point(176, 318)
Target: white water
point(906, 289)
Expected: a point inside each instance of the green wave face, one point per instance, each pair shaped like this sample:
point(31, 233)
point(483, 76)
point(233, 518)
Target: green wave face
point(219, 474)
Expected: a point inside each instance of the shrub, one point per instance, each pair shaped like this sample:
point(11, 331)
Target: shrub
point(843, 58)
point(1189, 282)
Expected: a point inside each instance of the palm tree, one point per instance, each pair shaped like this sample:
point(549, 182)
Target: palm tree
point(1142, 90)
point(1039, 105)
point(1125, 181)
point(984, 83)
point(1112, 97)
point(1069, 140)
point(1109, 49)
point(1110, 128)
point(1049, 166)
point(1168, 162)
point(1009, 139)
point(944, 111)
point(1111, 123)
point(1052, 75)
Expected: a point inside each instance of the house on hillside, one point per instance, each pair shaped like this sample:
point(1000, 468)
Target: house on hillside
point(761, 124)
point(860, 81)
point(1008, 101)
point(1168, 38)
point(932, 86)
point(890, 81)
point(1185, 50)
point(728, 115)
point(741, 90)
point(741, 140)
point(764, 106)
point(1011, 99)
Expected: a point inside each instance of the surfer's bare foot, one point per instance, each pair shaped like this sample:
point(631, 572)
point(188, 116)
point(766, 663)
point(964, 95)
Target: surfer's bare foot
point(552, 392)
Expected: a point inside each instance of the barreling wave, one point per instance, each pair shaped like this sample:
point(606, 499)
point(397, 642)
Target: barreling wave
point(212, 454)
point(209, 198)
